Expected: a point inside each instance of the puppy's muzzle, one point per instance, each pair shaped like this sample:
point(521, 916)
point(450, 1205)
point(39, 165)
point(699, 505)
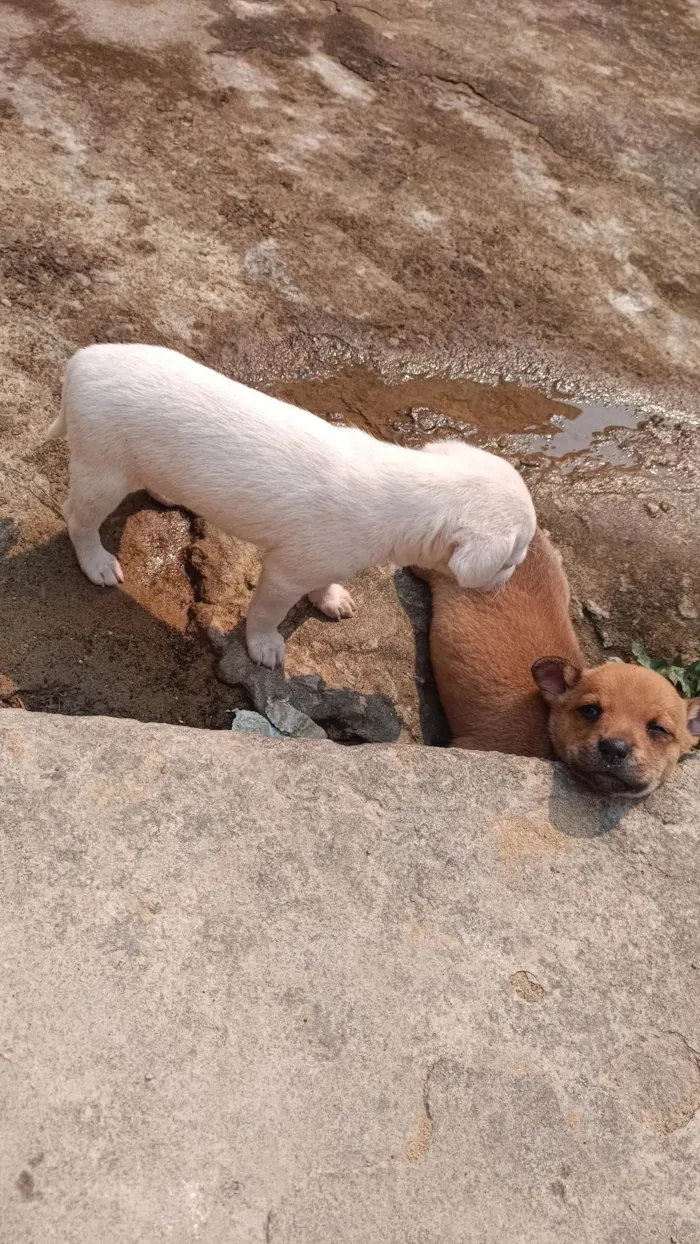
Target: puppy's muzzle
point(614, 751)
point(611, 767)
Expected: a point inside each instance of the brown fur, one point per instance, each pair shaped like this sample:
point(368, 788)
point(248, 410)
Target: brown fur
point(483, 647)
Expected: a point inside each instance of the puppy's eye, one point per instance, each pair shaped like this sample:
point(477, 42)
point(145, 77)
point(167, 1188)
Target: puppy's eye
point(590, 712)
point(657, 731)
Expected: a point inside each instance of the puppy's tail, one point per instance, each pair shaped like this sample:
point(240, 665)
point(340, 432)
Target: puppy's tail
point(58, 427)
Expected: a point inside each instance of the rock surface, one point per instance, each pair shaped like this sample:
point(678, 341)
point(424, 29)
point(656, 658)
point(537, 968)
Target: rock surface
point(368, 676)
point(291, 993)
point(295, 188)
point(348, 715)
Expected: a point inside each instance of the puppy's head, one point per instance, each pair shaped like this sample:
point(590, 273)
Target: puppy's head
point(619, 727)
point(495, 520)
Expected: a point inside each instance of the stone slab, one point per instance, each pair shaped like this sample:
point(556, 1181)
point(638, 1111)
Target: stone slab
point(268, 992)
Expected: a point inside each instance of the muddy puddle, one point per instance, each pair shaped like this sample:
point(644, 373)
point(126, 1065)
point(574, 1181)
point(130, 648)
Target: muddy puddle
point(514, 420)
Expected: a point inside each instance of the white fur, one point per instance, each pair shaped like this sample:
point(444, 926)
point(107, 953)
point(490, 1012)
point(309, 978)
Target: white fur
point(322, 502)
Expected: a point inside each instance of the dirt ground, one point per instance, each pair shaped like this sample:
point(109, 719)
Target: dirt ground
point(379, 212)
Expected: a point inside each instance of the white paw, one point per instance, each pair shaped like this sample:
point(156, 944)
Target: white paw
point(334, 601)
point(266, 649)
point(103, 569)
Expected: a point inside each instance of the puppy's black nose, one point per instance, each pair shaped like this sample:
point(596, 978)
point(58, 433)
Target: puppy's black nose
point(614, 751)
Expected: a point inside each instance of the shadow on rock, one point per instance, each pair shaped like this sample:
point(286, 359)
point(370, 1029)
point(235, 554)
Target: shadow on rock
point(581, 813)
point(346, 716)
point(415, 599)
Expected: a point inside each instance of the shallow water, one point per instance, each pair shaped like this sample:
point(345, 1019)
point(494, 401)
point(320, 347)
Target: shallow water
point(582, 432)
point(521, 422)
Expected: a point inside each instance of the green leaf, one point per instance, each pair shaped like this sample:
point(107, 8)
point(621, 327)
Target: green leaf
point(686, 678)
point(641, 655)
point(677, 675)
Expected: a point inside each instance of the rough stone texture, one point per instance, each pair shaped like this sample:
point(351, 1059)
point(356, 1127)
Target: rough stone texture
point(381, 653)
point(379, 656)
point(348, 715)
point(291, 993)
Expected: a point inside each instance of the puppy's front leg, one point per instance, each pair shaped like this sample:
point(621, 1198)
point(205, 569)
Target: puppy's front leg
point(272, 599)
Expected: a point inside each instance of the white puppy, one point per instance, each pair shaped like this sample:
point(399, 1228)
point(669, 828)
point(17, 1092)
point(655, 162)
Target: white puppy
point(322, 502)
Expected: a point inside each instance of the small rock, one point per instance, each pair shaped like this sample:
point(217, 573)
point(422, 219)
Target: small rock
point(280, 720)
point(73, 304)
point(288, 720)
point(6, 302)
point(224, 569)
point(576, 609)
point(665, 506)
point(344, 714)
point(81, 278)
point(686, 607)
point(107, 277)
point(596, 611)
point(652, 508)
point(427, 420)
point(237, 669)
point(246, 722)
point(527, 987)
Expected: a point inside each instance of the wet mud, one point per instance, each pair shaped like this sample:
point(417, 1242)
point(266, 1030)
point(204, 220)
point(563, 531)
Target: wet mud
point(514, 419)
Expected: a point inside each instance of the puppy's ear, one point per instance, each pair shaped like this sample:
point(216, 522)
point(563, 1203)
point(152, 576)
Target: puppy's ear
point(475, 564)
point(554, 677)
point(692, 708)
point(462, 565)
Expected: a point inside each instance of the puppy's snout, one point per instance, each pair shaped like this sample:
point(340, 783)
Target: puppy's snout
point(614, 751)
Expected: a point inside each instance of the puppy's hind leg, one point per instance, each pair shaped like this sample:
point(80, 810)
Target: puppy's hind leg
point(274, 596)
point(333, 600)
point(93, 494)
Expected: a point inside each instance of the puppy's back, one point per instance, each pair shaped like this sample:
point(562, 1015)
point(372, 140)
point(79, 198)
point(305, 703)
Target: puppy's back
point(482, 648)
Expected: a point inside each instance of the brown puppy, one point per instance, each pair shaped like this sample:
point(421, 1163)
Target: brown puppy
point(620, 727)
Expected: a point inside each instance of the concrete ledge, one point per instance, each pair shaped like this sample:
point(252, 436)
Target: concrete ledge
point(302, 994)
